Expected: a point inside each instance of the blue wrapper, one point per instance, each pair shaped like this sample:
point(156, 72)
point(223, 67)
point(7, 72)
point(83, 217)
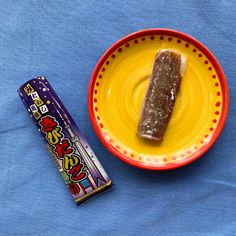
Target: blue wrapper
point(73, 156)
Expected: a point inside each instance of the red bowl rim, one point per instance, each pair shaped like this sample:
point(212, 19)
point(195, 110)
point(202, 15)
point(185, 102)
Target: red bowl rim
point(221, 76)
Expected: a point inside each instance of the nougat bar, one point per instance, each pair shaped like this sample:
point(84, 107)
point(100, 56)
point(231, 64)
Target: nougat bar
point(164, 83)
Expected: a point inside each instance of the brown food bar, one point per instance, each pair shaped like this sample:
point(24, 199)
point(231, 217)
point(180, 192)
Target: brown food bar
point(164, 83)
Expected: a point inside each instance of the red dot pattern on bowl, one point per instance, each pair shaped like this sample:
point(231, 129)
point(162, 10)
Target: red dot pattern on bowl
point(186, 45)
point(200, 56)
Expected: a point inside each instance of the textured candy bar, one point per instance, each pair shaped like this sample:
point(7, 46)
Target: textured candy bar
point(163, 87)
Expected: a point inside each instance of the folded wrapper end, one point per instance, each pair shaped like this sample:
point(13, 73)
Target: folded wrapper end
point(74, 158)
point(107, 188)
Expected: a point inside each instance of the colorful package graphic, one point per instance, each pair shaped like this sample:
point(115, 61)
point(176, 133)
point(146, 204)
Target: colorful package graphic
point(74, 158)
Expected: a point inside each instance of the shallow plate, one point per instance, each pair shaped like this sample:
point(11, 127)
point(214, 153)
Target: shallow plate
point(116, 94)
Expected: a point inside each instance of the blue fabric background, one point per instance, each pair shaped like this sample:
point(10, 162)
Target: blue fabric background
point(63, 40)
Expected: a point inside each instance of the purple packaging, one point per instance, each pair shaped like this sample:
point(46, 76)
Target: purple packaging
point(73, 156)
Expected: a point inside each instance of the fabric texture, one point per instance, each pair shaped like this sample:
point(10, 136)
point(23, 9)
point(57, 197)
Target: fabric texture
point(63, 41)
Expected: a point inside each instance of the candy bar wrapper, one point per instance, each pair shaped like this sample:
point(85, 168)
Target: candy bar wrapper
point(74, 158)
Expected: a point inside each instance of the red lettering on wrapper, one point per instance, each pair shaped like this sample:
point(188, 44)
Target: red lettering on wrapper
point(64, 148)
point(50, 127)
point(47, 124)
point(76, 173)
